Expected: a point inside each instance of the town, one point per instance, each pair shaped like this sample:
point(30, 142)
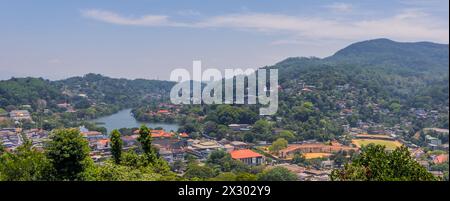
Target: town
point(310, 160)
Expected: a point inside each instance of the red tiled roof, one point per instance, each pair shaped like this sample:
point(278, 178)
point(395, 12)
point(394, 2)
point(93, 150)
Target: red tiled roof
point(244, 153)
point(160, 134)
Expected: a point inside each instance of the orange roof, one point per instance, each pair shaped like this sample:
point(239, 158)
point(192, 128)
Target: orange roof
point(160, 134)
point(103, 141)
point(184, 135)
point(163, 111)
point(441, 159)
point(244, 153)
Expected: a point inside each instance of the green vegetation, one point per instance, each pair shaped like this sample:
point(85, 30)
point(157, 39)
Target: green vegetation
point(66, 158)
point(278, 145)
point(277, 174)
point(116, 146)
point(68, 153)
point(376, 164)
point(26, 164)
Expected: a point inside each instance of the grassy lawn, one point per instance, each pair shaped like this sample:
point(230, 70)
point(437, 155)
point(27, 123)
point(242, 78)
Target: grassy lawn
point(390, 145)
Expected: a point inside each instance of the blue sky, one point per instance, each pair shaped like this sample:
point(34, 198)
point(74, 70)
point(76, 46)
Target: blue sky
point(148, 38)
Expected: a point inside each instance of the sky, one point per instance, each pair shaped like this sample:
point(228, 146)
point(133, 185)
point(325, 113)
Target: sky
point(149, 38)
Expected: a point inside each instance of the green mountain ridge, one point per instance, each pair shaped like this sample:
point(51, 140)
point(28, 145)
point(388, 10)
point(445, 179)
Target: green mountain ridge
point(403, 69)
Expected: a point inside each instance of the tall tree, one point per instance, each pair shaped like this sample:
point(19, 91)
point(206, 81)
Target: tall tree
point(25, 164)
point(116, 146)
point(376, 164)
point(68, 152)
point(145, 139)
point(278, 145)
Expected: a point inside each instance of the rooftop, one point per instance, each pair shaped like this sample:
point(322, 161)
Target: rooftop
point(244, 153)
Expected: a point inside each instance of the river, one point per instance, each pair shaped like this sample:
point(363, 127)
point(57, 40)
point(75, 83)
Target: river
point(124, 119)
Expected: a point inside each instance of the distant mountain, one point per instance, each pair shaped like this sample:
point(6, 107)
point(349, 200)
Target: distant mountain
point(421, 56)
point(416, 74)
point(402, 69)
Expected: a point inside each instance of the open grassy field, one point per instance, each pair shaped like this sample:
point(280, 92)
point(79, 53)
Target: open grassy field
point(390, 145)
point(316, 155)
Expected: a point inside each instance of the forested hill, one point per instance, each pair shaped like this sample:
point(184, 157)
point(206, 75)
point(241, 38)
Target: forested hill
point(115, 91)
point(81, 92)
point(378, 81)
point(419, 56)
point(401, 65)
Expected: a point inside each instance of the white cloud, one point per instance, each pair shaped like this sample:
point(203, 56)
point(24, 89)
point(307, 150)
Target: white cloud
point(111, 17)
point(409, 25)
point(340, 7)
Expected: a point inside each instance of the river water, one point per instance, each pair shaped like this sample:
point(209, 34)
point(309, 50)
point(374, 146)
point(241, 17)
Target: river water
point(124, 119)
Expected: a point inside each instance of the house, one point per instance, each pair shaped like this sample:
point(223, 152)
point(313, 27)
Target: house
point(93, 135)
point(166, 154)
point(18, 115)
point(183, 135)
point(239, 145)
point(439, 159)
point(424, 163)
point(328, 164)
point(239, 127)
point(161, 134)
point(103, 144)
point(432, 142)
point(307, 90)
point(417, 153)
point(247, 156)
point(163, 112)
point(129, 140)
point(421, 113)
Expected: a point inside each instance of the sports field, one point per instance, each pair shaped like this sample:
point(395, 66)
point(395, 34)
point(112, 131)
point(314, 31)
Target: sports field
point(390, 145)
point(316, 155)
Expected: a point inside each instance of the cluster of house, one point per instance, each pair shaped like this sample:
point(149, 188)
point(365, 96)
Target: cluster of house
point(19, 115)
point(165, 109)
point(423, 114)
point(11, 138)
point(98, 143)
point(173, 146)
point(16, 116)
point(427, 160)
point(435, 143)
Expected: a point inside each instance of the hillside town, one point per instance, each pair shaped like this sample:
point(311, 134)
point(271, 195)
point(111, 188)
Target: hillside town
point(317, 158)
